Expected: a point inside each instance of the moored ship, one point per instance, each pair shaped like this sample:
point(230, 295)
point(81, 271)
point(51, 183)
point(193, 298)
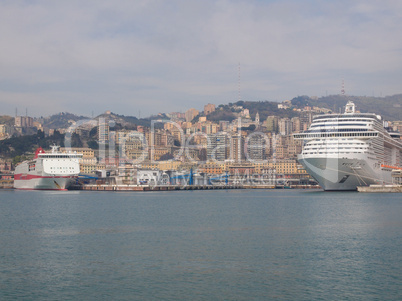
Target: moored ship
point(343, 151)
point(48, 171)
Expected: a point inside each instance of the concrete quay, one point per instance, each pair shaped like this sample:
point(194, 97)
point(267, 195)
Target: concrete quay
point(380, 188)
point(259, 186)
point(114, 187)
point(104, 187)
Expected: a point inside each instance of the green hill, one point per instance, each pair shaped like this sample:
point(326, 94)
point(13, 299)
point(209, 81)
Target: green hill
point(129, 121)
point(389, 107)
point(265, 109)
point(61, 121)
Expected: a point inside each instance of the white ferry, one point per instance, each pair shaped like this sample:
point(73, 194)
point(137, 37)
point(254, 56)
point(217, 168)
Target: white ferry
point(343, 151)
point(48, 171)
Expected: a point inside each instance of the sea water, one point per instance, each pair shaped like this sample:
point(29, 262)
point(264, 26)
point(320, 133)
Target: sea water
point(200, 245)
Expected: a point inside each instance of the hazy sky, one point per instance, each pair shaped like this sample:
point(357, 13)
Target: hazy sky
point(164, 56)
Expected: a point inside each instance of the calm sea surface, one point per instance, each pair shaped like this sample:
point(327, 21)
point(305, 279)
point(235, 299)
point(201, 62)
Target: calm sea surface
point(200, 245)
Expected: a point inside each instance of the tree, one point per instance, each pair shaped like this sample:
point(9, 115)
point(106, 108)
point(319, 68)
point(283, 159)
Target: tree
point(93, 133)
point(76, 140)
point(40, 134)
point(57, 139)
point(93, 144)
point(17, 159)
point(166, 157)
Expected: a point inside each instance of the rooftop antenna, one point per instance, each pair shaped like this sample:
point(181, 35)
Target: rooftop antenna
point(239, 84)
point(343, 87)
point(26, 112)
point(16, 112)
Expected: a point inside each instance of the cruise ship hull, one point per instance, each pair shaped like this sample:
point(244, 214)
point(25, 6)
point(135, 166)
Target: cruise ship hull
point(31, 182)
point(340, 174)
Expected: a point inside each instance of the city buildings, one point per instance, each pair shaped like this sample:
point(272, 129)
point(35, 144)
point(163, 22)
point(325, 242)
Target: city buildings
point(209, 108)
point(240, 146)
point(5, 131)
point(6, 166)
point(23, 121)
point(285, 126)
point(256, 147)
point(103, 131)
point(190, 114)
point(218, 147)
point(237, 148)
point(271, 124)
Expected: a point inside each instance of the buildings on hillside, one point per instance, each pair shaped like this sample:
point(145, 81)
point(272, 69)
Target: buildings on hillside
point(245, 145)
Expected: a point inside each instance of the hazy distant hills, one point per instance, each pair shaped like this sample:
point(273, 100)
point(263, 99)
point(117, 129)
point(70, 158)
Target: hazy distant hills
point(265, 109)
point(389, 107)
point(130, 121)
point(61, 120)
point(65, 120)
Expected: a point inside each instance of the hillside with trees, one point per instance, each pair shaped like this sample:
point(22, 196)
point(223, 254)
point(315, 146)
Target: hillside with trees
point(22, 146)
point(265, 109)
point(389, 107)
point(62, 120)
point(131, 122)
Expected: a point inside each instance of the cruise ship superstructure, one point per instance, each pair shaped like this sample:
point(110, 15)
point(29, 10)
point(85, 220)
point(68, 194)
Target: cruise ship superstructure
point(50, 171)
point(343, 151)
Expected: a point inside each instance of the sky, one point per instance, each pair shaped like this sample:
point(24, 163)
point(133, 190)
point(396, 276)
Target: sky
point(142, 57)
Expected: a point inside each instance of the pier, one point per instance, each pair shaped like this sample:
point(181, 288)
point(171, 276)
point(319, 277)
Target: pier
point(380, 188)
point(105, 187)
point(114, 187)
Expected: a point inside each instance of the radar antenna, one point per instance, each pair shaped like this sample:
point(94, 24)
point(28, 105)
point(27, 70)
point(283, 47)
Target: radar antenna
point(343, 88)
point(239, 84)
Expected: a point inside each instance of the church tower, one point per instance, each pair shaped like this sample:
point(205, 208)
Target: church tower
point(257, 119)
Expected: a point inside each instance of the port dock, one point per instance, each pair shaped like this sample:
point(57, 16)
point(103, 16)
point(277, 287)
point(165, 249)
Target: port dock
point(380, 188)
point(114, 187)
point(154, 188)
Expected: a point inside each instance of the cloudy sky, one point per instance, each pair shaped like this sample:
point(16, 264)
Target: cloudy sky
point(162, 56)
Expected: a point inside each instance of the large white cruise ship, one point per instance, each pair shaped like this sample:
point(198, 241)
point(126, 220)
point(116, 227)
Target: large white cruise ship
point(343, 151)
point(50, 171)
